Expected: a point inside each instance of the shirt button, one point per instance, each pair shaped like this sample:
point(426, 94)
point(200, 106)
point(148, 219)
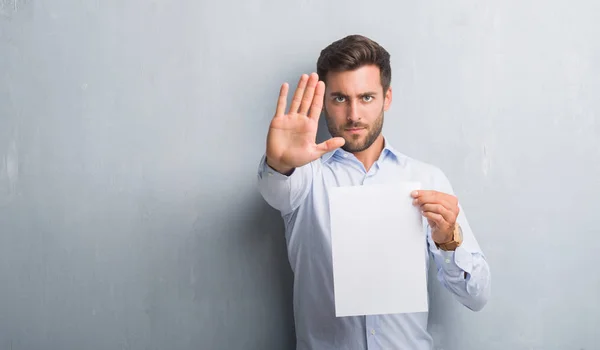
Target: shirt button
point(345, 155)
point(372, 332)
point(447, 261)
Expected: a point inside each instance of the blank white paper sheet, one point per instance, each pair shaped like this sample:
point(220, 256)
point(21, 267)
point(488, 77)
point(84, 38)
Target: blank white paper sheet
point(378, 250)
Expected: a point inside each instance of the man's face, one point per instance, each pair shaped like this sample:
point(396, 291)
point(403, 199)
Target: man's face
point(354, 106)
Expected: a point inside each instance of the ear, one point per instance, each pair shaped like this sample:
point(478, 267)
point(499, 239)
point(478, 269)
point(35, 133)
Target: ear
point(388, 99)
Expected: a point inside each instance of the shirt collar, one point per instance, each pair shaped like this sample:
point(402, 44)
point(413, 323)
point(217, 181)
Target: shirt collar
point(388, 149)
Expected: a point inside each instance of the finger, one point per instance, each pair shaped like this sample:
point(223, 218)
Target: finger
point(317, 101)
point(298, 94)
point(420, 201)
point(448, 215)
point(423, 193)
point(282, 100)
point(308, 93)
point(330, 145)
point(436, 218)
point(425, 196)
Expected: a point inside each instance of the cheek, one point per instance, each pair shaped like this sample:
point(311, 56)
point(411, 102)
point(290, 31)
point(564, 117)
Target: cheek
point(372, 111)
point(336, 113)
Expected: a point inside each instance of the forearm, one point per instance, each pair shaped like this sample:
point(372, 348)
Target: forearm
point(283, 192)
point(466, 275)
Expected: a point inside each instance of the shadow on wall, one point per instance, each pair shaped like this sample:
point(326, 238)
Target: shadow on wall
point(268, 241)
point(225, 270)
point(323, 133)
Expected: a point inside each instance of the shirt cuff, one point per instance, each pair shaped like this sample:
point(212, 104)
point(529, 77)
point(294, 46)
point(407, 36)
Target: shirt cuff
point(273, 174)
point(457, 261)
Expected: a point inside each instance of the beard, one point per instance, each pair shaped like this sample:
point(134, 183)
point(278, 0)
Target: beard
point(356, 143)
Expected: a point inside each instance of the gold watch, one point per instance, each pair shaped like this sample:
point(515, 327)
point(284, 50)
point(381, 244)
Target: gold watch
point(455, 242)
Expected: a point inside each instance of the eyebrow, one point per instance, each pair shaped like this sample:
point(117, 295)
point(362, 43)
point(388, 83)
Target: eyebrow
point(339, 94)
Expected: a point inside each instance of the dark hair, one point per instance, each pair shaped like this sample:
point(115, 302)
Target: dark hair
point(353, 52)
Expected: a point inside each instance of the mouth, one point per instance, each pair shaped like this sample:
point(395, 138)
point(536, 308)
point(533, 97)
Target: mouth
point(354, 130)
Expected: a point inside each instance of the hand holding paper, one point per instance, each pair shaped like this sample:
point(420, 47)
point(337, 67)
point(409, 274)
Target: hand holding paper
point(441, 210)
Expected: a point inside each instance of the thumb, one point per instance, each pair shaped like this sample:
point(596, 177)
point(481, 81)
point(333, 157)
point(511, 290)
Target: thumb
point(330, 145)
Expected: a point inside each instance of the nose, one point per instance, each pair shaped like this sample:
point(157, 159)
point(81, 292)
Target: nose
point(352, 112)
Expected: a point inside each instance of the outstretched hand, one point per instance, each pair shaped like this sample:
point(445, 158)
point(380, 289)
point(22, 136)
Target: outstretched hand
point(291, 140)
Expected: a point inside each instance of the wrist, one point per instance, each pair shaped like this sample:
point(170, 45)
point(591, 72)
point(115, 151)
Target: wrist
point(455, 241)
point(280, 168)
point(447, 237)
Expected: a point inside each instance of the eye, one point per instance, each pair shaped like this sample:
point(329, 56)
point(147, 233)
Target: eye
point(339, 99)
point(368, 98)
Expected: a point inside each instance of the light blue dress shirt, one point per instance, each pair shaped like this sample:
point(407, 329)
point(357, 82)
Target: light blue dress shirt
point(303, 202)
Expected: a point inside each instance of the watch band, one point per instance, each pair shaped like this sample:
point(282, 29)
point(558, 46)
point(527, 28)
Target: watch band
point(455, 242)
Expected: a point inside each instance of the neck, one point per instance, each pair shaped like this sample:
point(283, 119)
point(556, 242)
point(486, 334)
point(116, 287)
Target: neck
point(369, 156)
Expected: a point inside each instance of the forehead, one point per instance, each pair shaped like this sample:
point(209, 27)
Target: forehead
point(365, 78)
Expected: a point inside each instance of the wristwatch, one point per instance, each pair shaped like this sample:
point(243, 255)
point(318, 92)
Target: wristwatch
point(455, 242)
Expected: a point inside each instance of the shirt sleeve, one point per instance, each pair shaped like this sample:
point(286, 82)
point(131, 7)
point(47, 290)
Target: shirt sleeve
point(464, 272)
point(284, 192)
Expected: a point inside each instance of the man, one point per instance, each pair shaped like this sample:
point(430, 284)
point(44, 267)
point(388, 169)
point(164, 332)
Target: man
point(294, 177)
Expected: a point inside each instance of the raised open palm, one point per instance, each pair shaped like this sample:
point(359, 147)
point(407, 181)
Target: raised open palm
point(291, 141)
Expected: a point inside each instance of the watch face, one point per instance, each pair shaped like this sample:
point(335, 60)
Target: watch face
point(459, 233)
